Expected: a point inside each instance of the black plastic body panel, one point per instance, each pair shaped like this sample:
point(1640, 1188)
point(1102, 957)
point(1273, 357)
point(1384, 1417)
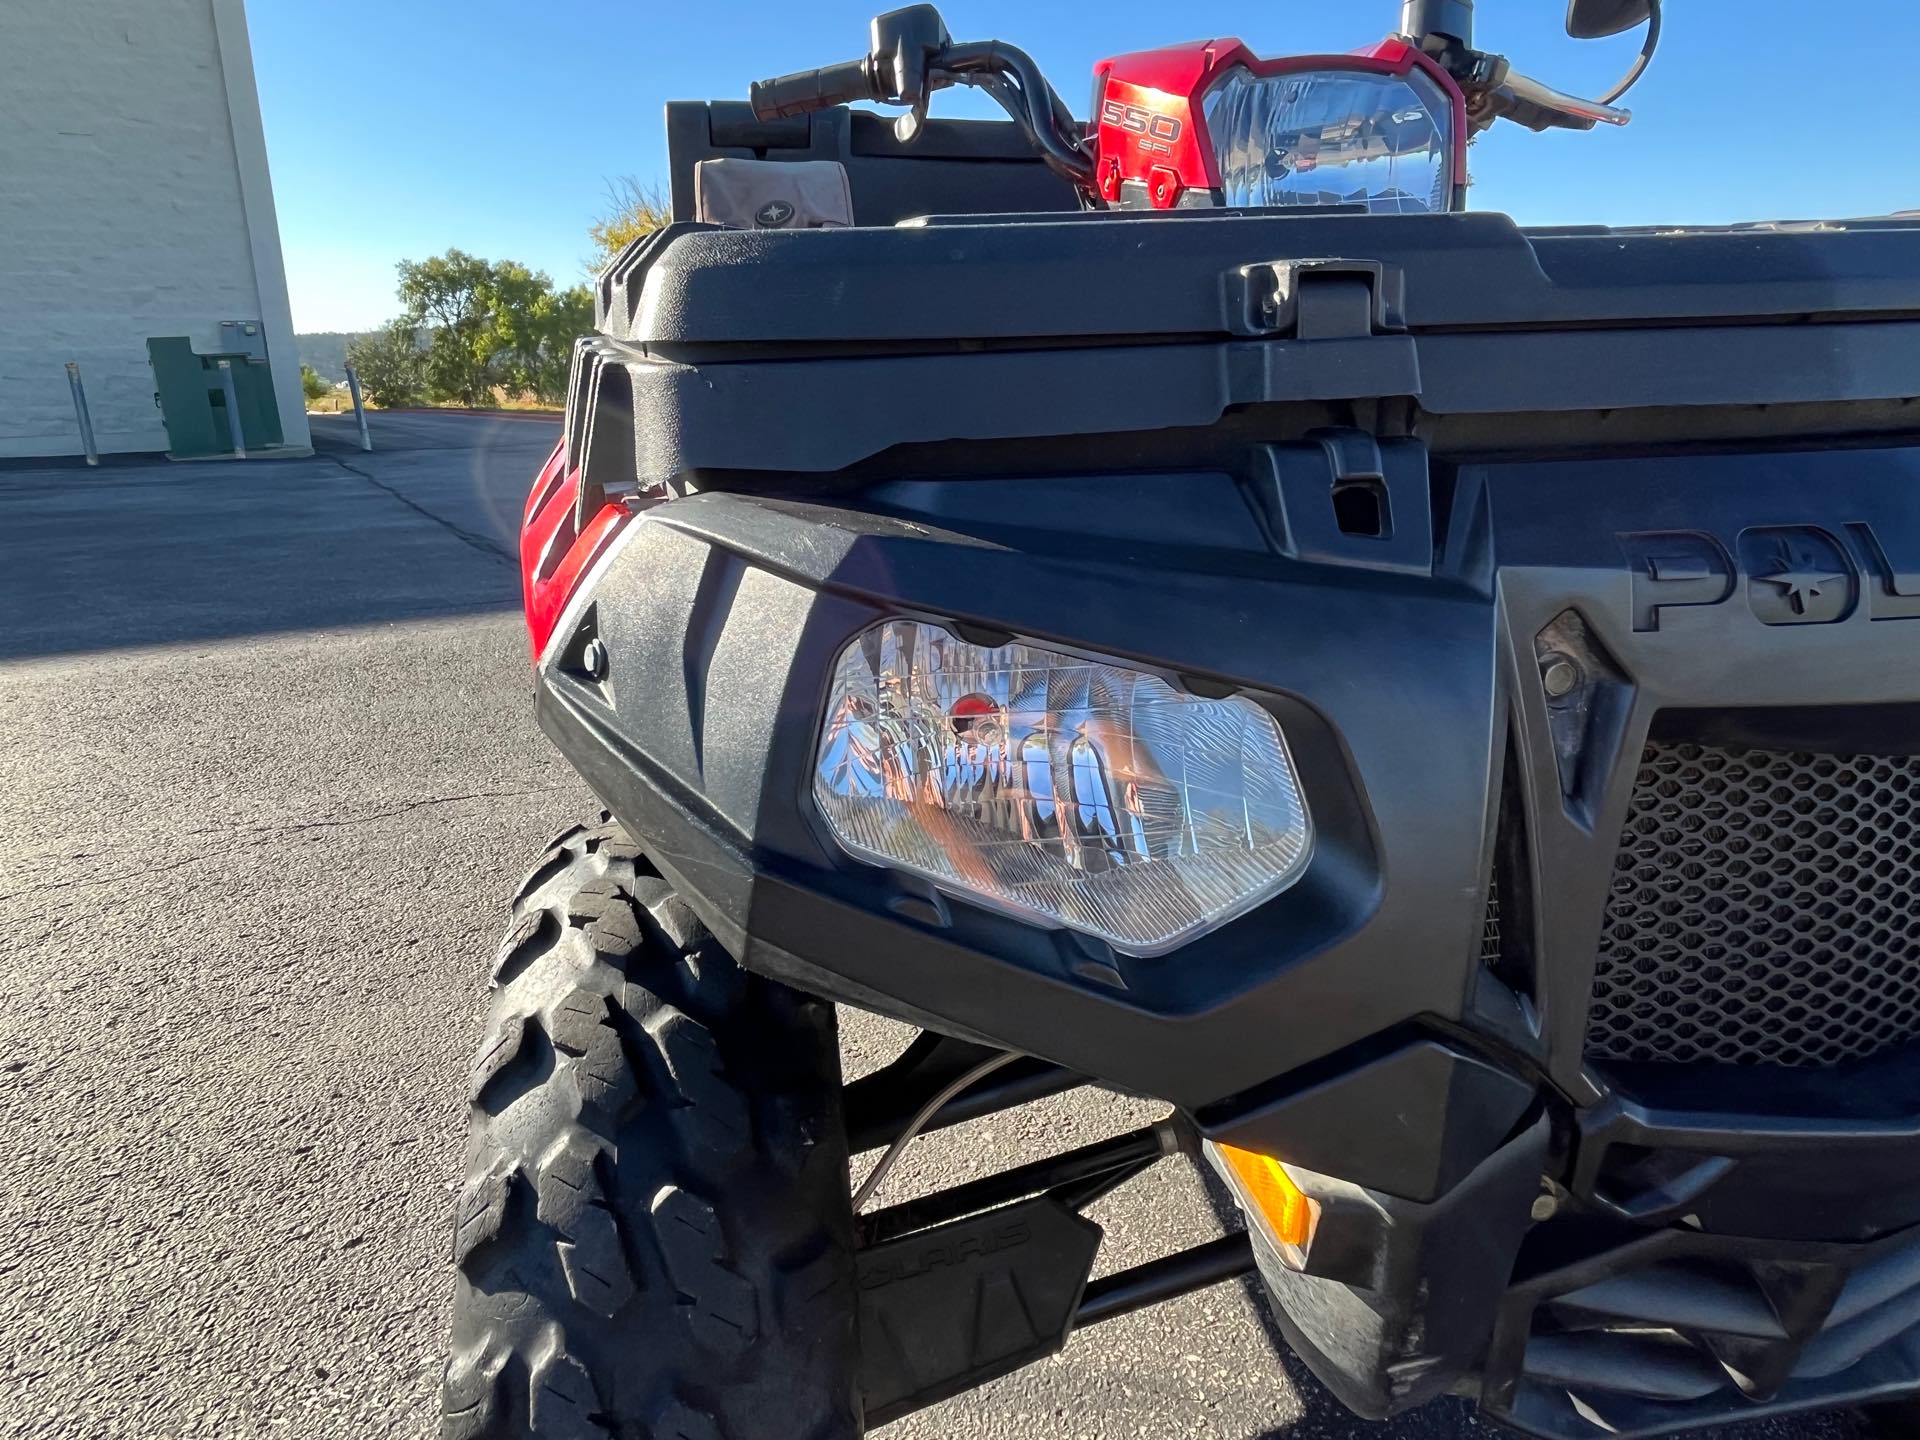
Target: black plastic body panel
point(1400, 694)
point(1083, 277)
point(1376, 1123)
point(732, 657)
point(1415, 1299)
point(887, 338)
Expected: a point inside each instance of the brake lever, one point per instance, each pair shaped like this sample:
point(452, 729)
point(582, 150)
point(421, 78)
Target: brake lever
point(1553, 108)
point(906, 125)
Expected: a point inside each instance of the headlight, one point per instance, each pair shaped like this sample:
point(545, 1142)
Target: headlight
point(1333, 137)
point(1063, 790)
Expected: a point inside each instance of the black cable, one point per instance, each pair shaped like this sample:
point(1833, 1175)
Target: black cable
point(1024, 93)
point(1646, 54)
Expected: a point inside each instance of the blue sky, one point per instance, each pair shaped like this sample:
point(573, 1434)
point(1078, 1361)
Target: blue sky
point(400, 128)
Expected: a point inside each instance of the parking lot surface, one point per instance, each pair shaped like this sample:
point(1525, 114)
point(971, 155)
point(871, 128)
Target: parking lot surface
point(268, 778)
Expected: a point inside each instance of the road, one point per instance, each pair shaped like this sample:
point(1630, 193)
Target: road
point(269, 776)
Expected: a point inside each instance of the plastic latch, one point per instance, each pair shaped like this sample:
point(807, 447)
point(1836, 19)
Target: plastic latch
point(1322, 299)
point(1352, 455)
point(1344, 497)
point(1362, 503)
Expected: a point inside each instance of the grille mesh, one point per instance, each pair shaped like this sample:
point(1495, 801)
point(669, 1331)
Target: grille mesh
point(1762, 910)
point(1491, 948)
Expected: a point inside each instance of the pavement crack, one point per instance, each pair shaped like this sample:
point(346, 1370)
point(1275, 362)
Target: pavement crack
point(262, 832)
point(485, 544)
point(81, 881)
point(403, 809)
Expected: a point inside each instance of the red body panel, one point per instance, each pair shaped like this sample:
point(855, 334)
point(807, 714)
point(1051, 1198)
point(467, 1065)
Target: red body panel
point(553, 554)
point(1142, 97)
point(1151, 126)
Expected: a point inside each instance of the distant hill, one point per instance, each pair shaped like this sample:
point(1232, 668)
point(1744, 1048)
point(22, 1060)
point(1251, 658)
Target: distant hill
point(326, 352)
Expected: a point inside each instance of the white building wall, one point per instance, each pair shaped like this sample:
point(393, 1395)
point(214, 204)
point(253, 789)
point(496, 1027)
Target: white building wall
point(134, 201)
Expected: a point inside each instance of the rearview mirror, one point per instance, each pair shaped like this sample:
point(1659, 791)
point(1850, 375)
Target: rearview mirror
point(1591, 19)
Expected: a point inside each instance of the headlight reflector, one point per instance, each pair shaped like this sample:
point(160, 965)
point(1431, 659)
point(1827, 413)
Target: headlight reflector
point(1063, 790)
point(1333, 137)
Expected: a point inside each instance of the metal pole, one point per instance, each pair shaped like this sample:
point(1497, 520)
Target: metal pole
point(234, 427)
point(80, 412)
point(359, 407)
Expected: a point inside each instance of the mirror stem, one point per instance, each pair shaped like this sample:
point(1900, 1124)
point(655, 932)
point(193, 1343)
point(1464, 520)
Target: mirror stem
point(1450, 18)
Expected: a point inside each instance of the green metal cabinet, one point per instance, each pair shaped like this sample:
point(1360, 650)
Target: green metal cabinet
point(193, 403)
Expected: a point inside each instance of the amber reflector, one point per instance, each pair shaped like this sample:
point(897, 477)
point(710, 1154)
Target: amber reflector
point(1265, 1185)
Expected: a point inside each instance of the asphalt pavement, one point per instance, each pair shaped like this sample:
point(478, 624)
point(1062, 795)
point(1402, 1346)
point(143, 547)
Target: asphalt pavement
point(267, 778)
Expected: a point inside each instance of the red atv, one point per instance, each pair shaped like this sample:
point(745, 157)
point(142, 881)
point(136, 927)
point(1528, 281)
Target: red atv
point(1175, 604)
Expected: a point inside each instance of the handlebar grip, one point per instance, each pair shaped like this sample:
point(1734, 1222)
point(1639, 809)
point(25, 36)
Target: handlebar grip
point(808, 90)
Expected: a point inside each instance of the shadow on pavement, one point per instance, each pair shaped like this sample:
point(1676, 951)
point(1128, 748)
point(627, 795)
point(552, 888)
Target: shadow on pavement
point(154, 554)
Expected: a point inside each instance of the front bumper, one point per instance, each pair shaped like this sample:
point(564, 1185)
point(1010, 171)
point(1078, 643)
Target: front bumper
point(1359, 1024)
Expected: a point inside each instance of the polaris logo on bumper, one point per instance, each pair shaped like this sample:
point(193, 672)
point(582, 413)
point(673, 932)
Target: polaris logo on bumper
point(1789, 574)
point(945, 1252)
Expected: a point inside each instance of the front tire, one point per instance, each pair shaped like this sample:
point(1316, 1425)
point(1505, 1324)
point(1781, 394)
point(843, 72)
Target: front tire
point(655, 1238)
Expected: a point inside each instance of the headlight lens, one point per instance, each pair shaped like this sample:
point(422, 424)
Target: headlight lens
point(1067, 791)
point(1333, 137)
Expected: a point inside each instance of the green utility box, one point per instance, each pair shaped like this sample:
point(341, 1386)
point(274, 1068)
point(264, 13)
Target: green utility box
point(193, 403)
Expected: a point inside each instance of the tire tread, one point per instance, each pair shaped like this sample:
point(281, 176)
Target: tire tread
point(654, 1238)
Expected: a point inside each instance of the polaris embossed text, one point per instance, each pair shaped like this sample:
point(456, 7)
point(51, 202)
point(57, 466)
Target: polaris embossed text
point(1791, 574)
point(885, 1270)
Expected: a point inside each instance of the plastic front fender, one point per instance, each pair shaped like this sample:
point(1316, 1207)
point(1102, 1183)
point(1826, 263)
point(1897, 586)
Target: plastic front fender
point(721, 614)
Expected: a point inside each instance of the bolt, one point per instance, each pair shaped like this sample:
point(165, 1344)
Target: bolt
point(593, 659)
point(1561, 676)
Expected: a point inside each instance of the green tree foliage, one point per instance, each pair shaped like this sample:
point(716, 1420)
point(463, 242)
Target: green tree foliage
point(493, 324)
point(450, 295)
point(311, 385)
point(391, 365)
point(633, 210)
point(534, 327)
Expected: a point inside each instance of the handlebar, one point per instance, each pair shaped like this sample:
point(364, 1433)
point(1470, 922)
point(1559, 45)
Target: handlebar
point(910, 57)
point(805, 91)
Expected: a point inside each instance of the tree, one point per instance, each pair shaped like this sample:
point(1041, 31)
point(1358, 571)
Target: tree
point(311, 385)
point(391, 365)
point(534, 327)
point(633, 210)
point(492, 324)
point(451, 295)
point(569, 319)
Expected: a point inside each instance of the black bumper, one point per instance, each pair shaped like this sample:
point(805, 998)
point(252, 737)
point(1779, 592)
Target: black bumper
point(1368, 1024)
